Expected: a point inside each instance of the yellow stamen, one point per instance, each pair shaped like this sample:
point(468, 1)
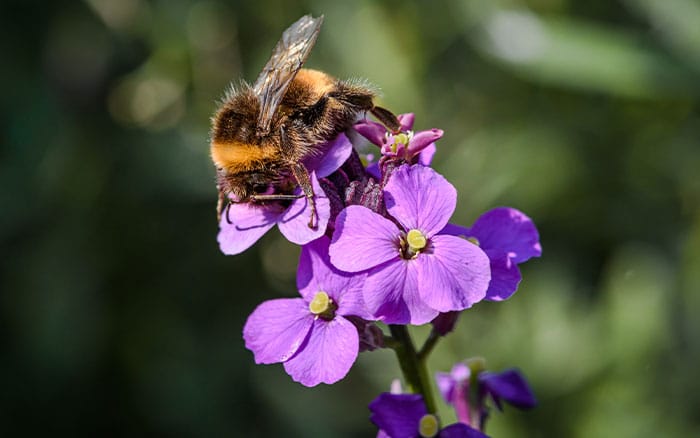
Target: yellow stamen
point(320, 304)
point(428, 426)
point(401, 139)
point(416, 240)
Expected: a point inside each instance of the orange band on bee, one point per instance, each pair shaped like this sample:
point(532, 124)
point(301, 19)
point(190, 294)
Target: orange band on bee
point(241, 156)
point(318, 81)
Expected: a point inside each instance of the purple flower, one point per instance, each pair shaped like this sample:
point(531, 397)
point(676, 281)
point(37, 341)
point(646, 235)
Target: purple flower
point(413, 271)
point(311, 335)
point(509, 238)
point(330, 156)
point(406, 416)
point(244, 223)
point(467, 387)
point(418, 147)
point(444, 323)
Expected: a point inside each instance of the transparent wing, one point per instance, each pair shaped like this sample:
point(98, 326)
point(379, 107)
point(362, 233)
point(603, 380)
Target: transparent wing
point(289, 55)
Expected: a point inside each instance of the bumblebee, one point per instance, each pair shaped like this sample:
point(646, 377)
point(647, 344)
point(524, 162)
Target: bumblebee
point(262, 133)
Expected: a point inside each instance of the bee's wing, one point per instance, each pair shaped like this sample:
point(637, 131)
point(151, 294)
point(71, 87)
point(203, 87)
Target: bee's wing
point(287, 58)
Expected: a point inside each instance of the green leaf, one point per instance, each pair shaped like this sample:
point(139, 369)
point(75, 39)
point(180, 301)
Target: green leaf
point(575, 54)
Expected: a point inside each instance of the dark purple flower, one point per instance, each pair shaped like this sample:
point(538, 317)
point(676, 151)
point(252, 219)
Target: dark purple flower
point(444, 323)
point(405, 416)
point(509, 386)
point(414, 272)
point(244, 223)
point(418, 147)
point(310, 335)
point(458, 389)
point(371, 336)
point(509, 238)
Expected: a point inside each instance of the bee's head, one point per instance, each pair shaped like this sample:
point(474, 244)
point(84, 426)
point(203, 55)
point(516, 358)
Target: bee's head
point(243, 186)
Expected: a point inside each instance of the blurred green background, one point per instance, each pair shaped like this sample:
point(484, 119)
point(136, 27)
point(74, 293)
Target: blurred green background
point(120, 317)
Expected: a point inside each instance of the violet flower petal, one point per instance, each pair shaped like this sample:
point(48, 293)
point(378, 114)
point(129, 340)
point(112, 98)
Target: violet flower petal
point(328, 354)
point(509, 230)
point(392, 294)
point(294, 222)
point(425, 157)
point(510, 386)
point(277, 328)
point(445, 322)
point(398, 415)
point(373, 170)
point(362, 239)
point(460, 402)
point(331, 156)
point(455, 276)
point(406, 120)
point(316, 273)
point(460, 430)
point(351, 302)
point(460, 395)
point(446, 386)
point(455, 230)
point(422, 139)
point(372, 131)
point(505, 276)
point(418, 197)
point(449, 384)
point(460, 372)
point(248, 224)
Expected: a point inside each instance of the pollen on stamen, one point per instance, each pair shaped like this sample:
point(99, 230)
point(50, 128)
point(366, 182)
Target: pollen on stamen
point(416, 240)
point(428, 426)
point(402, 139)
point(320, 303)
point(474, 240)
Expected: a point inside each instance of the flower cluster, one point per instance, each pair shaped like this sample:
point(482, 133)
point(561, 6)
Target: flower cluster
point(469, 386)
point(406, 416)
point(384, 250)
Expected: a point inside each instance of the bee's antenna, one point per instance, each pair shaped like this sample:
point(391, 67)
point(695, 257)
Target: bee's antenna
point(387, 118)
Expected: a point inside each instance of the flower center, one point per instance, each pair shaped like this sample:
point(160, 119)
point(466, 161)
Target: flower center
point(402, 138)
point(428, 426)
point(416, 240)
point(474, 240)
point(412, 243)
point(323, 306)
point(399, 141)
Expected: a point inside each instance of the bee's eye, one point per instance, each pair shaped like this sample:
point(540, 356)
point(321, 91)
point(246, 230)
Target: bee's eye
point(260, 188)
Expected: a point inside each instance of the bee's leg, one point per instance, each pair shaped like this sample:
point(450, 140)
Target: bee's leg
point(220, 205)
point(387, 118)
point(275, 197)
point(283, 197)
point(286, 143)
point(302, 177)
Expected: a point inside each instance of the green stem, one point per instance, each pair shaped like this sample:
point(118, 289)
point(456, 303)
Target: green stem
point(414, 368)
point(390, 342)
point(429, 345)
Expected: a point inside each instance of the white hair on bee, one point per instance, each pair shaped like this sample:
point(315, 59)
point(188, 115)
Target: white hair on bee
point(357, 81)
point(234, 88)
